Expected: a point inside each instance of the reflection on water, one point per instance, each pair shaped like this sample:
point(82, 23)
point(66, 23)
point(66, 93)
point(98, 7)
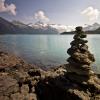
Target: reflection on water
point(48, 50)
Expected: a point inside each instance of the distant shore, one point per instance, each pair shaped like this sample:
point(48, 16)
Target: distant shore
point(87, 32)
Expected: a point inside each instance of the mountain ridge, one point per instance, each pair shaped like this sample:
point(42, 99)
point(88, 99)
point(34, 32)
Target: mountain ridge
point(17, 27)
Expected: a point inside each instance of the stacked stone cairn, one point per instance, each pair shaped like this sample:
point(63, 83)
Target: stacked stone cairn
point(80, 58)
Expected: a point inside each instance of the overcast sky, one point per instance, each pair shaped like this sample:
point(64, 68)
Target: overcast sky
point(67, 12)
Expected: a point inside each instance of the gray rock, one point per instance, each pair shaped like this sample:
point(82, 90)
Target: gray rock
point(4, 98)
point(8, 85)
point(16, 96)
point(80, 95)
point(80, 57)
point(25, 89)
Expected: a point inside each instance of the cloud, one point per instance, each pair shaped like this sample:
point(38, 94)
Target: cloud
point(57, 27)
point(40, 15)
point(91, 13)
point(63, 28)
point(7, 8)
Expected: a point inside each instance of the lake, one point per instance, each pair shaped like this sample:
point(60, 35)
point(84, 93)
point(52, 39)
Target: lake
point(47, 50)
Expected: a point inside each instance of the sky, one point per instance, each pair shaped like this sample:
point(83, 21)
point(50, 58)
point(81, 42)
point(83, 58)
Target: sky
point(65, 12)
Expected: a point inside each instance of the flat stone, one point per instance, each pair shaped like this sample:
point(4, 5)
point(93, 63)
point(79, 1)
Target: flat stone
point(8, 85)
point(97, 97)
point(79, 95)
point(4, 98)
point(79, 71)
point(21, 76)
point(25, 89)
point(16, 96)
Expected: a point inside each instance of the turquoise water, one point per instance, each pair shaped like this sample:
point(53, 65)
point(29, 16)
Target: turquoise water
point(46, 50)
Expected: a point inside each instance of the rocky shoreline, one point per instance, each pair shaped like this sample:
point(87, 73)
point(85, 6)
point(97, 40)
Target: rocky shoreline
point(22, 81)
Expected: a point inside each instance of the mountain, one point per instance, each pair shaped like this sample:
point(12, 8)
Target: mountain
point(7, 27)
point(97, 31)
point(43, 28)
point(24, 29)
point(17, 27)
point(92, 27)
point(55, 27)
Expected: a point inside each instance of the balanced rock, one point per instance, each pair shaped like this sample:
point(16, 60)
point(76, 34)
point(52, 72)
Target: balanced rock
point(80, 56)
